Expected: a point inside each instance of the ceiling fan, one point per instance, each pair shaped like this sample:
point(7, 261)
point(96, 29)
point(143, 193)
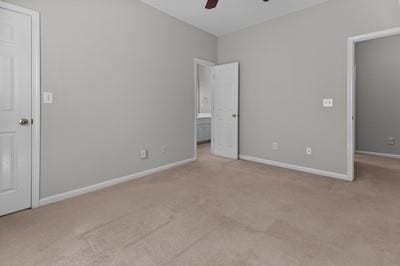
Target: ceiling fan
point(213, 3)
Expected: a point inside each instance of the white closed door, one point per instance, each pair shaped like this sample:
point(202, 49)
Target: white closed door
point(225, 117)
point(15, 111)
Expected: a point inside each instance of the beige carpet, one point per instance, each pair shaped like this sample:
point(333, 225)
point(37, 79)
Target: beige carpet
point(218, 212)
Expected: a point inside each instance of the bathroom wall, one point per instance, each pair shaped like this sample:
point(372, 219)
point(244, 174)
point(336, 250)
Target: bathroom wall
point(204, 89)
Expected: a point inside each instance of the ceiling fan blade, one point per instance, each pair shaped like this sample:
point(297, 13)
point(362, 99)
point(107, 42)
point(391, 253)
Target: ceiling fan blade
point(211, 4)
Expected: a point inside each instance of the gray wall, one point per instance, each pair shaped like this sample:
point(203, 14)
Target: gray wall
point(288, 66)
point(122, 77)
point(378, 94)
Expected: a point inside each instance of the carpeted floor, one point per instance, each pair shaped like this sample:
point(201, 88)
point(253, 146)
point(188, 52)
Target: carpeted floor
point(218, 212)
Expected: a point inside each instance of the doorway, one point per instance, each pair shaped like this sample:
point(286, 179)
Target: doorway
point(217, 108)
point(19, 108)
point(357, 142)
point(203, 106)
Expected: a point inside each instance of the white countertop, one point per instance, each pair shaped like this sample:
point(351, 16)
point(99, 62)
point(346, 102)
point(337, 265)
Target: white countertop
point(203, 115)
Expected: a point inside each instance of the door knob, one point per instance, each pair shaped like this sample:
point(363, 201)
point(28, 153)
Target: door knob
point(23, 121)
point(235, 115)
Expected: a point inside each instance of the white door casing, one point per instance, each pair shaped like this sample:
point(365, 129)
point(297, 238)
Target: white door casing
point(225, 116)
point(205, 63)
point(351, 91)
point(15, 104)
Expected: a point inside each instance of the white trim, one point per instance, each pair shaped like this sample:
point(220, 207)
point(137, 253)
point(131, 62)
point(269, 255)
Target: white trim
point(204, 62)
point(295, 167)
point(212, 108)
point(35, 20)
point(376, 35)
point(388, 155)
point(36, 110)
point(351, 90)
point(198, 62)
point(80, 191)
point(350, 109)
point(19, 9)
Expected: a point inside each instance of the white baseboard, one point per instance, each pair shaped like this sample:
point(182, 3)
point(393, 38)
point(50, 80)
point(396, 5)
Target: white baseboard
point(296, 167)
point(84, 190)
point(395, 156)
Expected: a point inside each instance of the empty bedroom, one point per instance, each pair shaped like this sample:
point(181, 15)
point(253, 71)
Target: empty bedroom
point(200, 132)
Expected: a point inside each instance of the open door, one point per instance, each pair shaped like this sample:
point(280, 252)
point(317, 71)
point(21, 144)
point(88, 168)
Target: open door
point(225, 116)
point(15, 111)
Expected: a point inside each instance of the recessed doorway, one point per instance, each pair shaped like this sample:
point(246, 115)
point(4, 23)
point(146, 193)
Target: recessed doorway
point(217, 108)
point(369, 105)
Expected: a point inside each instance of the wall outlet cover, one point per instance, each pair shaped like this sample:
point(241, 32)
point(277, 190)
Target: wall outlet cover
point(308, 151)
point(144, 154)
point(391, 141)
point(275, 146)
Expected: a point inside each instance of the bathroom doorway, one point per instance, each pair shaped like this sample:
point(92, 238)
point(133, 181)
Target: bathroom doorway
point(217, 108)
point(203, 105)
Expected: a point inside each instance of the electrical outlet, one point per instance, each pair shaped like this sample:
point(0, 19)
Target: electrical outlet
point(275, 146)
point(144, 154)
point(308, 151)
point(163, 149)
point(391, 141)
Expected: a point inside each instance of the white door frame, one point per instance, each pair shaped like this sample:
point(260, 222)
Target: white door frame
point(35, 22)
point(351, 90)
point(198, 62)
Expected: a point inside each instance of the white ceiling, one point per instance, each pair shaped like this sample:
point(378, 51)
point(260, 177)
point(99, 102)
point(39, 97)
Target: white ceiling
point(229, 15)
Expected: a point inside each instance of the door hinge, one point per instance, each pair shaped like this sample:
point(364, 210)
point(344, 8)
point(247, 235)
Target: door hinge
point(31, 121)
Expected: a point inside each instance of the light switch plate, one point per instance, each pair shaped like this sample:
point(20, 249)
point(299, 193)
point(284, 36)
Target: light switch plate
point(327, 102)
point(163, 149)
point(47, 97)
